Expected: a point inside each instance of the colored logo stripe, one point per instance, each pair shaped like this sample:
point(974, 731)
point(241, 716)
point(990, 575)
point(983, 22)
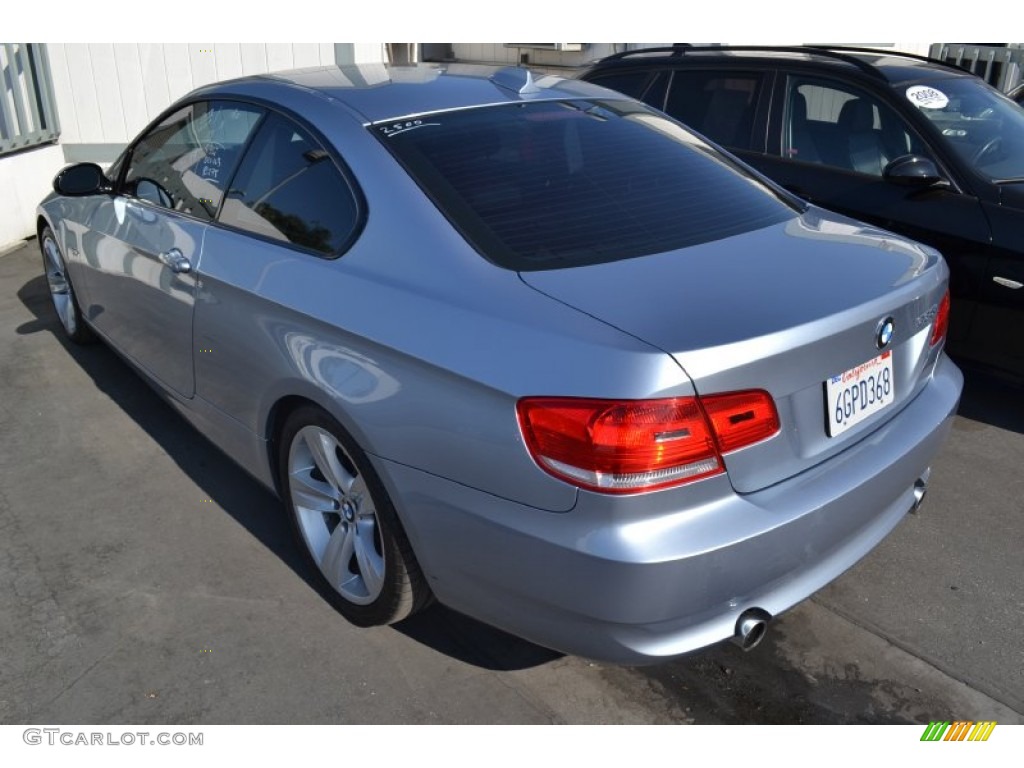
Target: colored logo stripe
point(960, 730)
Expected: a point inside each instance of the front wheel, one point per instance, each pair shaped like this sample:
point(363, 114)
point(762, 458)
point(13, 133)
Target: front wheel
point(61, 292)
point(345, 522)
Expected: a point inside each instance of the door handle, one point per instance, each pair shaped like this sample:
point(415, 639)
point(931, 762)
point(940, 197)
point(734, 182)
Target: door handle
point(176, 261)
point(1007, 282)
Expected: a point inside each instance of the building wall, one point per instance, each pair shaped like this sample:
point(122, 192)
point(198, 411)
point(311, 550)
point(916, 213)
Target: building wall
point(25, 179)
point(498, 53)
point(107, 92)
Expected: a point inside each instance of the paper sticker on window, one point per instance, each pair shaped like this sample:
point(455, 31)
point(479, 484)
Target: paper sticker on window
point(926, 97)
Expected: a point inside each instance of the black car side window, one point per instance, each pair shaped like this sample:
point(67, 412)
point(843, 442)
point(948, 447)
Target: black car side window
point(289, 189)
point(841, 126)
point(185, 162)
point(630, 83)
point(721, 105)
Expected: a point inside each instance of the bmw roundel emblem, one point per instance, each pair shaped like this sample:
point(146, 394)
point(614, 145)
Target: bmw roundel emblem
point(886, 329)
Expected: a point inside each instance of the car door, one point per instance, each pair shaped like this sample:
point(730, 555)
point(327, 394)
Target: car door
point(146, 242)
point(830, 141)
point(291, 210)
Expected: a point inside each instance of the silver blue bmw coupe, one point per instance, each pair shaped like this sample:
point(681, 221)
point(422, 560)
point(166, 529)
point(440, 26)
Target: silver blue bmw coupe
point(518, 343)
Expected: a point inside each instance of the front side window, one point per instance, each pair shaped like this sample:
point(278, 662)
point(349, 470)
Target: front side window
point(551, 184)
point(840, 126)
point(721, 105)
point(289, 189)
point(186, 162)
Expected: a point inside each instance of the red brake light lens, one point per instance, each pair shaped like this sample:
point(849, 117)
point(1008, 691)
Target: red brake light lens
point(626, 446)
point(742, 418)
point(941, 321)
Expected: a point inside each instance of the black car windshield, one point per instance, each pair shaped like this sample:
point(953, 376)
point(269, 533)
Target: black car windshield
point(981, 125)
point(544, 185)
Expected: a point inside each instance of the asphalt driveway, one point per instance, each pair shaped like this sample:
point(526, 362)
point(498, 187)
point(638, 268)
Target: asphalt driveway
point(146, 579)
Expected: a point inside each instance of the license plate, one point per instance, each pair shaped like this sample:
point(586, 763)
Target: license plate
point(857, 394)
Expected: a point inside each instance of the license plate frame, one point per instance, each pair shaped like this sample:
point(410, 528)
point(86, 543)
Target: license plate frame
point(873, 381)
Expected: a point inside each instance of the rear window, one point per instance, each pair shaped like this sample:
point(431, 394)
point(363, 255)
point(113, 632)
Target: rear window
point(548, 184)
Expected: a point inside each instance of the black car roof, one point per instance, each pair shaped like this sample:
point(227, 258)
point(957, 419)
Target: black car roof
point(888, 66)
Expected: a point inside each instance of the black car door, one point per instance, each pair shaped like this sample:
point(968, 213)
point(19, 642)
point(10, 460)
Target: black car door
point(829, 142)
point(998, 330)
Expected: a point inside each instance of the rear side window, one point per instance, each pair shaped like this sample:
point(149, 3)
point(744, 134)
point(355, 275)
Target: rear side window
point(554, 184)
point(288, 188)
point(721, 105)
point(630, 83)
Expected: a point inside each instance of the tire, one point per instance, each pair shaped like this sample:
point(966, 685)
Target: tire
point(62, 294)
point(345, 522)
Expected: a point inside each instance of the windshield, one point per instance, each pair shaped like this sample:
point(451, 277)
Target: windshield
point(548, 184)
point(983, 127)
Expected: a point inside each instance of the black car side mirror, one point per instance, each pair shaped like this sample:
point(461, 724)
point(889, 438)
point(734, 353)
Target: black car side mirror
point(913, 171)
point(81, 179)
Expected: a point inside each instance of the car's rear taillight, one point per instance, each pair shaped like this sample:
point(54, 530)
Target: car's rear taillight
point(739, 419)
point(941, 321)
point(625, 446)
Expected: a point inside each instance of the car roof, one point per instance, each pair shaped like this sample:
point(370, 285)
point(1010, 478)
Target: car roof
point(887, 66)
point(382, 92)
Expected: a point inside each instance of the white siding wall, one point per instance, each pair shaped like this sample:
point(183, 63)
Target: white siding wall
point(107, 92)
point(497, 53)
point(25, 179)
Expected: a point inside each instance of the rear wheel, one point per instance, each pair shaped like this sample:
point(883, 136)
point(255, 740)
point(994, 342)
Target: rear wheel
point(345, 522)
point(65, 303)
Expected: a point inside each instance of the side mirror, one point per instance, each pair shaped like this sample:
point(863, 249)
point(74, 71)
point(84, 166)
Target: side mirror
point(81, 179)
point(912, 171)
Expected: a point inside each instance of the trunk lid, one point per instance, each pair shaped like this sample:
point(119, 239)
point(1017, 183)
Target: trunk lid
point(781, 309)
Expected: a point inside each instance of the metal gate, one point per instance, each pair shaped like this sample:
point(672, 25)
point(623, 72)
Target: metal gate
point(28, 115)
point(999, 65)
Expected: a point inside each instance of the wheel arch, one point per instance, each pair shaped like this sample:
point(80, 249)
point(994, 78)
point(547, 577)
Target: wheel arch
point(283, 405)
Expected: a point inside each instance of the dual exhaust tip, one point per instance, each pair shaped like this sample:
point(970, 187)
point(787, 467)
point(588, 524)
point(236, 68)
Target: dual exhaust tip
point(752, 625)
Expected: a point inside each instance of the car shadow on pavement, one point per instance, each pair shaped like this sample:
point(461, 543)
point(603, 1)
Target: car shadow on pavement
point(991, 398)
point(249, 503)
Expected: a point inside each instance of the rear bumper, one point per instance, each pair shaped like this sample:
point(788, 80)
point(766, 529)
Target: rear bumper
point(645, 578)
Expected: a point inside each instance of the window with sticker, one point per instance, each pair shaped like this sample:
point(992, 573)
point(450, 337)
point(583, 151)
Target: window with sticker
point(981, 125)
point(186, 161)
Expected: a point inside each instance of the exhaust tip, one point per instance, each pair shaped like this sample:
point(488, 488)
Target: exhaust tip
point(751, 627)
point(920, 489)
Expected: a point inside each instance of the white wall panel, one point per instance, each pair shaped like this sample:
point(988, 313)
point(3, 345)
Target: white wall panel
point(131, 86)
point(26, 180)
point(154, 79)
point(62, 93)
point(179, 69)
point(254, 58)
point(228, 57)
point(202, 63)
point(368, 53)
point(306, 54)
point(108, 94)
point(279, 56)
point(84, 100)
